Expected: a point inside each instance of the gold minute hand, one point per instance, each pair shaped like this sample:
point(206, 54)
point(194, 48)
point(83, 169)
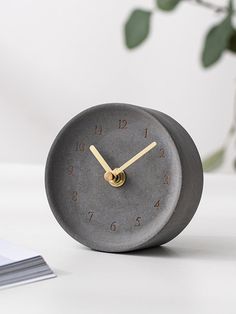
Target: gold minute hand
point(100, 159)
point(135, 158)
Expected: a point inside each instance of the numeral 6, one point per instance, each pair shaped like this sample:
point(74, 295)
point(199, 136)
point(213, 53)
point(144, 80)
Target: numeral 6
point(113, 226)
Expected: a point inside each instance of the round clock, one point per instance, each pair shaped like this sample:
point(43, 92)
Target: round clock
point(121, 177)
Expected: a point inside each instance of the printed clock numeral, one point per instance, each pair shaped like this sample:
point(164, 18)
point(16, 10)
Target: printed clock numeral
point(123, 124)
point(146, 133)
point(70, 170)
point(113, 226)
point(138, 222)
point(79, 147)
point(75, 196)
point(98, 130)
point(90, 214)
point(166, 179)
point(162, 153)
point(157, 204)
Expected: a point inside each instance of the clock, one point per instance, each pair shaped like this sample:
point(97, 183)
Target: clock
point(121, 177)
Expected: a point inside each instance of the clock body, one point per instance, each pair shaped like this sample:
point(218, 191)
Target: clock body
point(161, 192)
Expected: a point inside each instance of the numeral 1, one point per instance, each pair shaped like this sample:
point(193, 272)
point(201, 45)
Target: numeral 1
point(98, 130)
point(145, 133)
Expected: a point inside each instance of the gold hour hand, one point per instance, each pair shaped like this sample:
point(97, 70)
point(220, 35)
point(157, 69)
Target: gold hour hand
point(100, 159)
point(135, 158)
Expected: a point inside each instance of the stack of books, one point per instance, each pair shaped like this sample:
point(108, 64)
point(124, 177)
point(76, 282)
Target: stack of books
point(19, 265)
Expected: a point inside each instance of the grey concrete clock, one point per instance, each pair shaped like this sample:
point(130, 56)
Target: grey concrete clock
point(121, 177)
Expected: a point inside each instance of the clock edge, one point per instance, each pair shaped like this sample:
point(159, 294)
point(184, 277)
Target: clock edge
point(190, 190)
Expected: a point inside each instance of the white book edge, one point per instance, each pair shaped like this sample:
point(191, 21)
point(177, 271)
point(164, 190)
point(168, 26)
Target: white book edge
point(24, 282)
point(12, 254)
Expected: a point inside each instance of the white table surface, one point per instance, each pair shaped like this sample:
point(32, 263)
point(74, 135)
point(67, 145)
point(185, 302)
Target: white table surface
point(194, 273)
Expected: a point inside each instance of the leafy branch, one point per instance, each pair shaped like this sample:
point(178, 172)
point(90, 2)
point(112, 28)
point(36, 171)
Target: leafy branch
point(212, 6)
point(219, 39)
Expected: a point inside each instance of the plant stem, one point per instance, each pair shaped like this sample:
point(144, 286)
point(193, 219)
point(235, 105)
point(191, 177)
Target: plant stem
point(212, 6)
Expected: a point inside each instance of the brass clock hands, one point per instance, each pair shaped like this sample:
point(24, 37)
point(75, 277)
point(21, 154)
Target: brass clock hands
point(135, 158)
point(100, 159)
point(117, 176)
point(115, 180)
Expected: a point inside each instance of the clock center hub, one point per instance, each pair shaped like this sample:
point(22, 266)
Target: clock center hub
point(115, 180)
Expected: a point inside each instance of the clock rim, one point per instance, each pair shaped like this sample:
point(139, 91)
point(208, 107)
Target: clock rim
point(145, 242)
point(174, 225)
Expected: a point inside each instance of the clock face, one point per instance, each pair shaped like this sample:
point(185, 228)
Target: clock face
point(87, 206)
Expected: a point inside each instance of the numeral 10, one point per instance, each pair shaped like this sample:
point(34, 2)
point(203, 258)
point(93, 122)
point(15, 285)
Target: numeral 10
point(79, 147)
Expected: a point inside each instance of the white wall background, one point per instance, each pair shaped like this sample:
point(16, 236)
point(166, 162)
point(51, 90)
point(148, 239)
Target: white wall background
point(60, 57)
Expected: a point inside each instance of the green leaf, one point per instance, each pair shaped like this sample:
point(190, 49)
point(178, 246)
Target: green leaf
point(167, 5)
point(137, 28)
point(232, 42)
point(217, 41)
point(214, 161)
point(232, 130)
